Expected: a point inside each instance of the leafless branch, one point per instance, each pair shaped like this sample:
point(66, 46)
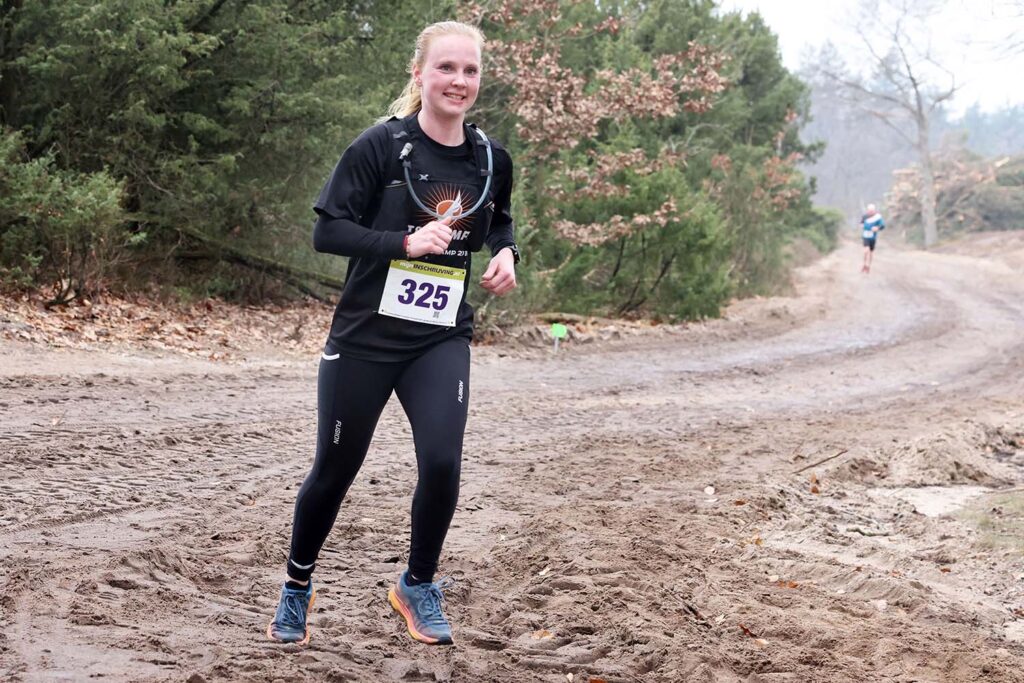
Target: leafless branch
point(858, 87)
point(887, 120)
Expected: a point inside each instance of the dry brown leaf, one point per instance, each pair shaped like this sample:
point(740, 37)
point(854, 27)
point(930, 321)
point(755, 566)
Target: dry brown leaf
point(164, 325)
point(815, 489)
point(739, 501)
point(542, 634)
point(945, 570)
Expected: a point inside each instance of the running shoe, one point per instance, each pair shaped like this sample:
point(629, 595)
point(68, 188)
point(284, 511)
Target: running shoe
point(421, 607)
point(291, 623)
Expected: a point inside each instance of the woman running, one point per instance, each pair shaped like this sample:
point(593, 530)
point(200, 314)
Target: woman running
point(409, 201)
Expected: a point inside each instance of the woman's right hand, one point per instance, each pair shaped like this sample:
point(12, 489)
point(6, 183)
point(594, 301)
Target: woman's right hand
point(432, 238)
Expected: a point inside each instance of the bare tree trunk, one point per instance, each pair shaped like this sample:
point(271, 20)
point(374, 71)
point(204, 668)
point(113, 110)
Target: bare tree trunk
point(931, 232)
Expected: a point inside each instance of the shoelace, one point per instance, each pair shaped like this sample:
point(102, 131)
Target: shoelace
point(434, 614)
point(292, 609)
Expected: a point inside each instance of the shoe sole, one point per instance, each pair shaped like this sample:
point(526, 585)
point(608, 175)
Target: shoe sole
point(399, 606)
point(304, 641)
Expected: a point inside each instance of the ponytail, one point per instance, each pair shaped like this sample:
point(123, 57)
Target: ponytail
point(407, 103)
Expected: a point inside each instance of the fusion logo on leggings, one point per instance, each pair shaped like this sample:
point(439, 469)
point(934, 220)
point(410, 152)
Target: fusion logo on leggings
point(337, 432)
point(460, 391)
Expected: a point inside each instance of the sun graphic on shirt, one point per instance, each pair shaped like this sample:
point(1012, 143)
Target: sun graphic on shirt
point(449, 201)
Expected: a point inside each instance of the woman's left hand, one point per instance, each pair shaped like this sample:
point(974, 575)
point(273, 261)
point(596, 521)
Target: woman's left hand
point(500, 276)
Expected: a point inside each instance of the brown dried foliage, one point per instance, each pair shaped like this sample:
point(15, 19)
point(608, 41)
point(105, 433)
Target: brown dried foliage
point(557, 109)
point(210, 329)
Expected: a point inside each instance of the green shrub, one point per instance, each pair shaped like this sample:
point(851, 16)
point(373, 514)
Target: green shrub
point(57, 227)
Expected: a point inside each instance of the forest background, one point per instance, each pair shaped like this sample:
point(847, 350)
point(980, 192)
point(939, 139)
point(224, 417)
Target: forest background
point(172, 149)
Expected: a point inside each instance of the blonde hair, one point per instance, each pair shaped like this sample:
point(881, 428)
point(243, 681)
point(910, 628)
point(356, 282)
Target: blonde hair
point(409, 101)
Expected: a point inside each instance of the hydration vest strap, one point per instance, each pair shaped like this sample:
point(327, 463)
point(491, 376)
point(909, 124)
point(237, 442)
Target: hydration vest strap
point(481, 146)
point(401, 130)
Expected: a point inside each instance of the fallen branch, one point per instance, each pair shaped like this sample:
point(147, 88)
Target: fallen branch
point(997, 492)
point(288, 273)
point(821, 462)
point(701, 621)
point(556, 317)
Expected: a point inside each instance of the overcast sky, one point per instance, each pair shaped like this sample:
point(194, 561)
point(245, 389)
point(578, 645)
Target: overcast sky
point(969, 37)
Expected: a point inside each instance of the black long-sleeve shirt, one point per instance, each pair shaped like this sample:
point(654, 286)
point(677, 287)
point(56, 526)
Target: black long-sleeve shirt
point(364, 212)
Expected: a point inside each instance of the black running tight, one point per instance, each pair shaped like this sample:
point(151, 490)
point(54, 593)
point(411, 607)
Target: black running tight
point(434, 391)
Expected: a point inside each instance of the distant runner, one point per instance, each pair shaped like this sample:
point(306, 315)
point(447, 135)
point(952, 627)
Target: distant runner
point(871, 224)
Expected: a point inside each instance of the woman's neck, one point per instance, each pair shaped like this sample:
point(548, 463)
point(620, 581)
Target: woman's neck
point(445, 131)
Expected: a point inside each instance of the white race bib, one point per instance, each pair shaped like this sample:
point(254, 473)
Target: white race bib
point(869, 234)
point(423, 292)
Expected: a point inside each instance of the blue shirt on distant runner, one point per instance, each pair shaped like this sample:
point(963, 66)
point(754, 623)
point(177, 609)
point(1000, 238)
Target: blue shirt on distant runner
point(871, 223)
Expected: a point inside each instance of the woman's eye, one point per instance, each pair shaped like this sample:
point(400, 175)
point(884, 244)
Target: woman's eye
point(471, 71)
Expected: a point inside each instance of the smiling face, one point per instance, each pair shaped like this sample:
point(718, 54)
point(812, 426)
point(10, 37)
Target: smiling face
point(449, 76)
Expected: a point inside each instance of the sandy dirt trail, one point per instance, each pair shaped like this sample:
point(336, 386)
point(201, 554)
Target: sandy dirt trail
point(641, 509)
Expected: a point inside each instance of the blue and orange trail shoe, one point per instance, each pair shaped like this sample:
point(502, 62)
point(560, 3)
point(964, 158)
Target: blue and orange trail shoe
point(421, 607)
point(291, 623)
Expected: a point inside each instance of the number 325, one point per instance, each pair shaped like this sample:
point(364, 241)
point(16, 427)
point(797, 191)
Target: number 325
point(430, 296)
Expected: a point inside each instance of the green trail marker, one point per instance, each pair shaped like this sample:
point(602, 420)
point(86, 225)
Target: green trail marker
point(559, 331)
